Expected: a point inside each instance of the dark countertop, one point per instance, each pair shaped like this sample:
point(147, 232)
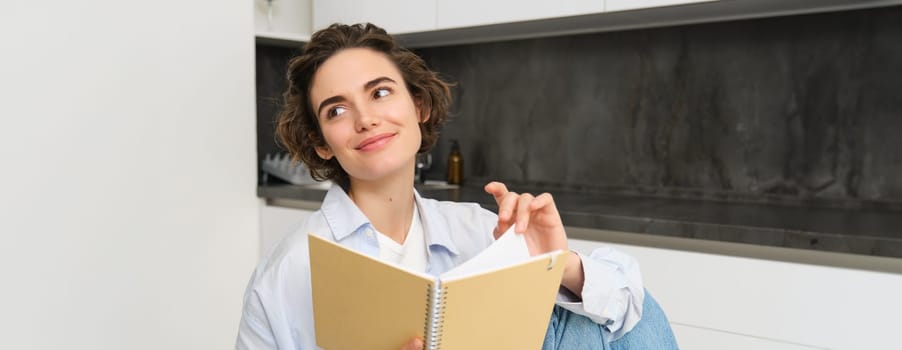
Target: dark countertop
point(864, 232)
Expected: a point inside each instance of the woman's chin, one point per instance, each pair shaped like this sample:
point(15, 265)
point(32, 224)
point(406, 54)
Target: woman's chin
point(380, 173)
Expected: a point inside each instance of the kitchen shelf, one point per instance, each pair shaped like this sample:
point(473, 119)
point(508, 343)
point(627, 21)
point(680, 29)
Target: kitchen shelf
point(871, 232)
point(281, 39)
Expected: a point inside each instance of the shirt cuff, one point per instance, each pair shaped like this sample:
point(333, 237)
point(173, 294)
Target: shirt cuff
point(612, 293)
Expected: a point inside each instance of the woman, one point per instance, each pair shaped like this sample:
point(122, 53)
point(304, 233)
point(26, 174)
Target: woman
point(358, 110)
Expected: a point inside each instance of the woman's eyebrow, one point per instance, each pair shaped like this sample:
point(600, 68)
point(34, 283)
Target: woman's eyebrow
point(370, 84)
point(328, 101)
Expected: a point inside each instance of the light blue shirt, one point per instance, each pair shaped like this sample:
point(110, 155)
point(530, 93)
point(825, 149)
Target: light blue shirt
point(278, 304)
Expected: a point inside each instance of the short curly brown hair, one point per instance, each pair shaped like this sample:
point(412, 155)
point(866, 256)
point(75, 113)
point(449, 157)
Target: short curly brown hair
point(298, 129)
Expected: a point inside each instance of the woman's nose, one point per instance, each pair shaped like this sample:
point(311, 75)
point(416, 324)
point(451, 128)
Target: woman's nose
point(367, 118)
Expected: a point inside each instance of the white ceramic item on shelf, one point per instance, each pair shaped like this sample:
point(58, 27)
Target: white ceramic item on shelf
point(296, 173)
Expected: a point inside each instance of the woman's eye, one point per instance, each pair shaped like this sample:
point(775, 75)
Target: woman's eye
point(381, 92)
point(336, 111)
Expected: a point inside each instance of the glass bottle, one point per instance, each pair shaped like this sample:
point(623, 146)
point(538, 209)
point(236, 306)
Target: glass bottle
point(455, 165)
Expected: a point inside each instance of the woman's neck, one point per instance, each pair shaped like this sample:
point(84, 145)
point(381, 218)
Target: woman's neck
point(387, 203)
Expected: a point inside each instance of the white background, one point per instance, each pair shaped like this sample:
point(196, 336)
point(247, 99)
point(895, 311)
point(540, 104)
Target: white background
point(128, 218)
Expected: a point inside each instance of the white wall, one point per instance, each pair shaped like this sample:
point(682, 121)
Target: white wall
point(128, 218)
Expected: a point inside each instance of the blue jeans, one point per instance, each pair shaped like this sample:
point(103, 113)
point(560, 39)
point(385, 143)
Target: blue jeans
point(570, 331)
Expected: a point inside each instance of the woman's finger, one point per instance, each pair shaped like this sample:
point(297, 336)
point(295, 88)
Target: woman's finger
point(497, 190)
point(413, 344)
point(506, 207)
point(541, 201)
point(523, 212)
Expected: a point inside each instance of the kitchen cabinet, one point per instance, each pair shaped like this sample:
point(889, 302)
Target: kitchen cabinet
point(282, 21)
point(716, 301)
point(450, 22)
point(472, 21)
point(467, 13)
point(622, 5)
point(396, 16)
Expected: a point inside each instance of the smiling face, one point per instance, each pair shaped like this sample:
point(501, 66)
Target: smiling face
point(368, 118)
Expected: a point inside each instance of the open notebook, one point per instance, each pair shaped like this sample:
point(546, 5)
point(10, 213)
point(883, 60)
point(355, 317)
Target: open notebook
point(500, 299)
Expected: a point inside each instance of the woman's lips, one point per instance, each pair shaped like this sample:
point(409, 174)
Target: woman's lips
point(375, 142)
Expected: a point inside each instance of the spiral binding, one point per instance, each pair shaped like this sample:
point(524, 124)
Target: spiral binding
point(435, 315)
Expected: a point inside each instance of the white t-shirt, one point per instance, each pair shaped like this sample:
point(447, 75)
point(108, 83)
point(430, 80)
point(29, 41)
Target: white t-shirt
point(411, 254)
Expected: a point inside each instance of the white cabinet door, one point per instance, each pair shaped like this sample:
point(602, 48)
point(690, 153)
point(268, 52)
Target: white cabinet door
point(621, 5)
point(695, 338)
point(727, 302)
point(466, 13)
point(396, 16)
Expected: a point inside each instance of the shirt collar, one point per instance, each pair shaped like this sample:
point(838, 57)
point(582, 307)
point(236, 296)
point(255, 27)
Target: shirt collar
point(342, 215)
point(434, 224)
point(345, 218)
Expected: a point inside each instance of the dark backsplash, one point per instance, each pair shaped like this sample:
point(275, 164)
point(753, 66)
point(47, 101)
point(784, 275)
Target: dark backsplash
point(271, 65)
point(797, 110)
point(788, 109)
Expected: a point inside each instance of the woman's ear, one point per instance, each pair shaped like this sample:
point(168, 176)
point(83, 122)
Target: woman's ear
point(421, 113)
point(324, 152)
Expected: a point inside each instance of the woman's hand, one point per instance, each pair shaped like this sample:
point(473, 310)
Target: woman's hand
point(413, 344)
point(535, 217)
point(539, 221)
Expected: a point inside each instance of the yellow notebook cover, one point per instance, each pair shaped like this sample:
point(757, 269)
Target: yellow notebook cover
point(362, 303)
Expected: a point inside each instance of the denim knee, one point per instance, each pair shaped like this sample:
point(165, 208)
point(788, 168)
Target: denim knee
point(568, 330)
point(571, 331)
point(652, 332)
